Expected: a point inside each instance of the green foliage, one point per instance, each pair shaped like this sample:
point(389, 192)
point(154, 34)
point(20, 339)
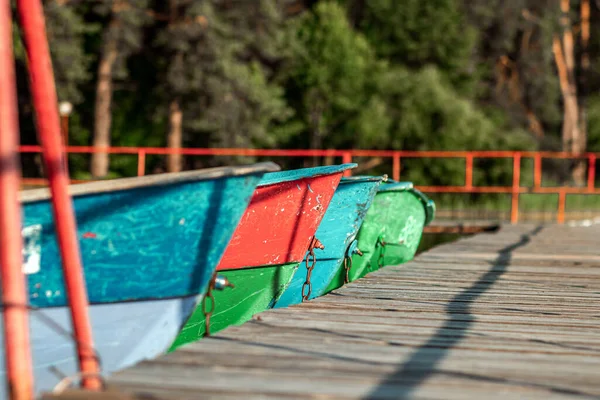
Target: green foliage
point(416, 33)
point(433, 116)
point(594, 123)
point(66, 29)
point(334, 80)
point(514, 59)
point(216, 68)
point(376, 74)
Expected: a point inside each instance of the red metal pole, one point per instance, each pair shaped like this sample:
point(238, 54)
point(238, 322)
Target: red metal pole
point(562, 203)
point(537, 171)
point(19, 372)
point(469, 171)
point(46, 108)
point(141, 167)
point(514, 209)
point(396, 167)
point(346, 159)
point(591, 172)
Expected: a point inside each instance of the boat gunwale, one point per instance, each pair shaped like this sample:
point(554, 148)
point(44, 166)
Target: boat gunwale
point(304, 173)
point(362, 179)
point(394, 186)
point(262, 266)
point(137, 182)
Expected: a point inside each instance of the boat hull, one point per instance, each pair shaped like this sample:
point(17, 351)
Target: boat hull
point(337, 231)
point(124, 334)
point(396, 217)
point(256, 289)
point(149, 247)
point(156, 241)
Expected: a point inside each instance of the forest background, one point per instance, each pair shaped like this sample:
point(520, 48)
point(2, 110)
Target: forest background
point(326, 74)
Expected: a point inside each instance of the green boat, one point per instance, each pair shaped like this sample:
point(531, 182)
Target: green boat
point(391, 231)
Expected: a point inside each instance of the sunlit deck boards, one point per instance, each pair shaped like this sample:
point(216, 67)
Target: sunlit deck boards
point(512, 314)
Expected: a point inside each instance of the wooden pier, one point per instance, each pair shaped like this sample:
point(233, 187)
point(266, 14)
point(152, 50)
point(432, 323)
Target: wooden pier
point(511, 314)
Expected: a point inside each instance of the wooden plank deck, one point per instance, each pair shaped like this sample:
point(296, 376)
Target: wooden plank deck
point(512, 314)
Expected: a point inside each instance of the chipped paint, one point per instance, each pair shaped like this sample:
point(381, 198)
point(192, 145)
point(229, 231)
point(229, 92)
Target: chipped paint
point(32, 249)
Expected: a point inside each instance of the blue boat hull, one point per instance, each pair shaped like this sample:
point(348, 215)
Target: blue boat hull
point(143, 243)
point(149, 247)
point(337, 231)
point(124, 334)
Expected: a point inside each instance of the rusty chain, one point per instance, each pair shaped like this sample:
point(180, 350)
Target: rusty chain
point(312, 260)
point(309, 270)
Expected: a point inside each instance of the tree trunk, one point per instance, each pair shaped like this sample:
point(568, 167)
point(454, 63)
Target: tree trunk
point(580, 145)
point(570, 113)
point(102, 112)
point(572, 136)
point(174, 137)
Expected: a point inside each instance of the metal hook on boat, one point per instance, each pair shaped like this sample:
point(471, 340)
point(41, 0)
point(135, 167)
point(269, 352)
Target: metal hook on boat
point(221, 282)
point(316, 244)
point(352, 249)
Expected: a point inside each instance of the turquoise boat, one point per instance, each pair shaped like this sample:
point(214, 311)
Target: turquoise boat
point(149, 246)
point(337, 232)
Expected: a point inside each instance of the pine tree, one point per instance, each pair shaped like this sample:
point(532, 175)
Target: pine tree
point(217, 73)
point(417, 33)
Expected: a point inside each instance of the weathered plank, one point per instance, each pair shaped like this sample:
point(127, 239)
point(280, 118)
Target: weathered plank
point(513, 314)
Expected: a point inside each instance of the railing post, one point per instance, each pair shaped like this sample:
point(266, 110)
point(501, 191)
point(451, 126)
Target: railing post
point(562, 202)
point(514, 209)
point(141, 167)
point(46, 112)
point(396, 166)
point(17, 355)
point(591, 172)
point(537, 170)
point(346, 159)
point(469, 172)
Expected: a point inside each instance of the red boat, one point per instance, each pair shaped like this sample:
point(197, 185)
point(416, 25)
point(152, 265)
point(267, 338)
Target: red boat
point(282, 218)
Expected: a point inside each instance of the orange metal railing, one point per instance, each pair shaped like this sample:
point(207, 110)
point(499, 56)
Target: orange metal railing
point(515, 189)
